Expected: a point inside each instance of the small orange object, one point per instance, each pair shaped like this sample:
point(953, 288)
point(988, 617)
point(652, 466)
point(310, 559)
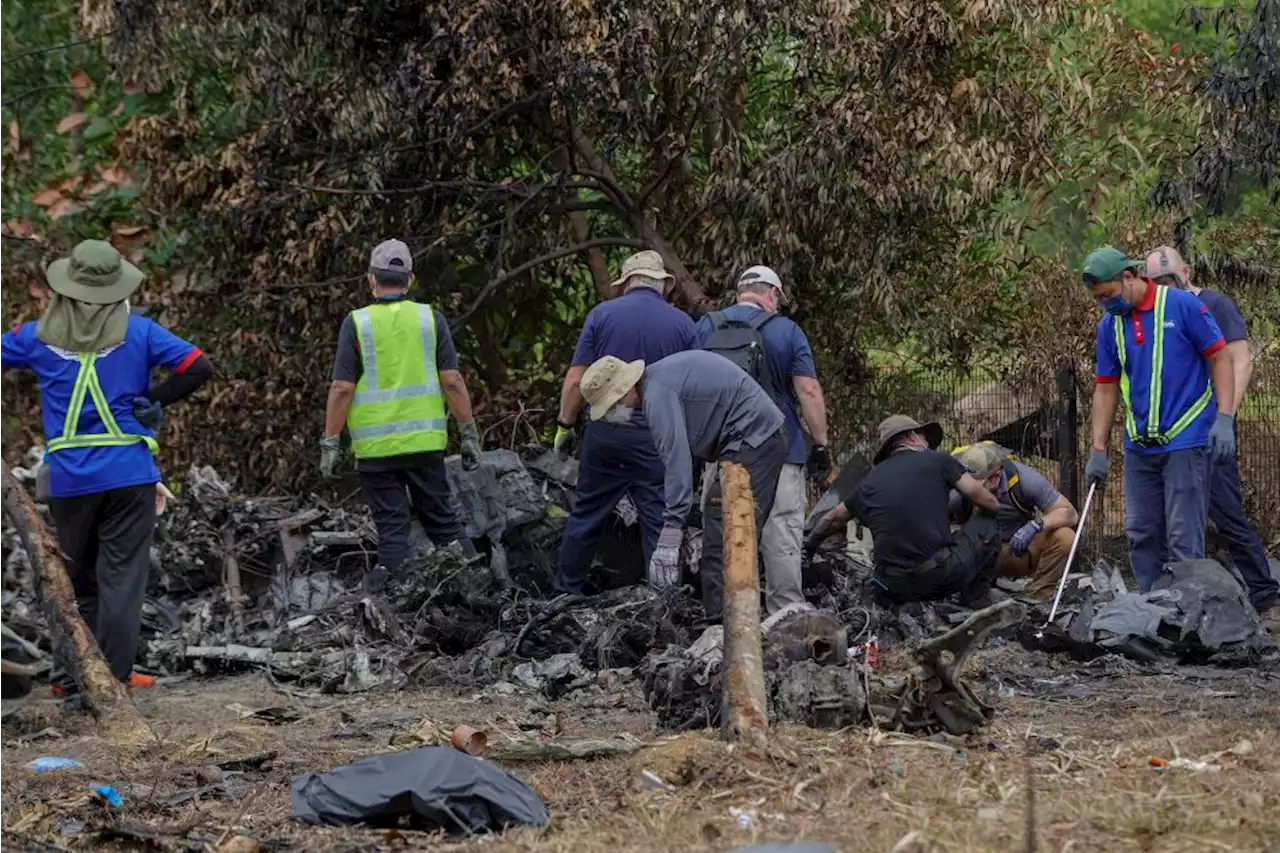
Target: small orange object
point(1157, 762)
point(469, 740)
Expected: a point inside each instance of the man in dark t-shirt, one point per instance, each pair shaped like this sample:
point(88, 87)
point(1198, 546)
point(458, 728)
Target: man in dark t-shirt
point(1165, 266)
point(904, 500)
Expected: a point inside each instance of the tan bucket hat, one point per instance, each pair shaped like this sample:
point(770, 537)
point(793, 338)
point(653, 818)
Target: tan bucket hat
point(607, 381)
point(95, 273)
point(647, 263)
point(895, 425)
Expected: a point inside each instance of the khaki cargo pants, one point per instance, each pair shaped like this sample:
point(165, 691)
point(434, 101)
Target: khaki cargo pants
point(1042, 565)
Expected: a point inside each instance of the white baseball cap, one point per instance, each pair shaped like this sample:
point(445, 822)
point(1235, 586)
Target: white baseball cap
point(762, 275)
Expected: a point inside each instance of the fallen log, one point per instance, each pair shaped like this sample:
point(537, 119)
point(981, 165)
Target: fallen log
point(73, 643)
point(745, 714)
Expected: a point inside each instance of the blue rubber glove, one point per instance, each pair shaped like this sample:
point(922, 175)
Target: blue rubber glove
point(1021, 540)
point(1096, 469)
point(1222, 437)
point(148, 413)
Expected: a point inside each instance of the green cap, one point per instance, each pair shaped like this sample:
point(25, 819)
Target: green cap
point(1106, 264)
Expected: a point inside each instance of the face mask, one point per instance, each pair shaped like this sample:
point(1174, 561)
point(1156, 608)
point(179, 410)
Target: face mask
point(619, 415)
point(1116, 304)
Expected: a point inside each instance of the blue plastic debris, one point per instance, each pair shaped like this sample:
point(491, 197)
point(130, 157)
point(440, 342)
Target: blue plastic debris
point(51, 764)
point(110, 794)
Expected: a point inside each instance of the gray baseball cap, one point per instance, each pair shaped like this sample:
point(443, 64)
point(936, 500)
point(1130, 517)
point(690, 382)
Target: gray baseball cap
point(391, 256)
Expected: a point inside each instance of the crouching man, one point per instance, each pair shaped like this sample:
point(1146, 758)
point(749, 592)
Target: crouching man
point(904, 500)
point(1036, 520)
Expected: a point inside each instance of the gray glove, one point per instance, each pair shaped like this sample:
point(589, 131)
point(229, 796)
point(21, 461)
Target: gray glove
point(1096, 469)
point(664, 565)
point(1021, 540)
point(330, 454)
point(470, 445)
point(1222, 438)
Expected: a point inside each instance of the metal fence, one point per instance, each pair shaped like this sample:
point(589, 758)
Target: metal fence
point(1043, 415)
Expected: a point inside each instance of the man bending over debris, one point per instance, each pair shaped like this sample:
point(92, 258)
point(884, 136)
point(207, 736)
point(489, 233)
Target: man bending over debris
point(394, 372)
point(905, 501)
point(94, 360)
point(699, 406)
point(1035, 519)
point(1166, 267)
point(1160, 350)
point(617, 458)
point(775, 351)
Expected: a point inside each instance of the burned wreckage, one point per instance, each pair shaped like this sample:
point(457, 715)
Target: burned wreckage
point(273, 584)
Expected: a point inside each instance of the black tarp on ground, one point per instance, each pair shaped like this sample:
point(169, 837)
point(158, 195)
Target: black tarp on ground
point(433, 787)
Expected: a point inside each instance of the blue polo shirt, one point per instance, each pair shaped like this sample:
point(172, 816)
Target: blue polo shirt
point(1226, 314)
point(787, 351)
point(124, 372)
point(639, 324)
point(1190, 336)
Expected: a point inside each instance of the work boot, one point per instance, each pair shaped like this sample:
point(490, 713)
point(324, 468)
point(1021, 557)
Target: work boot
point(136, 681)
point(375, 580)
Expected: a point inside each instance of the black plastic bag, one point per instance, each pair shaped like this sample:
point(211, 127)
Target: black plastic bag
point(435, 787)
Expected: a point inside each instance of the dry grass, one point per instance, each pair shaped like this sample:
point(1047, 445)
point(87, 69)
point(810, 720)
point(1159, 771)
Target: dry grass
point(1087, 742)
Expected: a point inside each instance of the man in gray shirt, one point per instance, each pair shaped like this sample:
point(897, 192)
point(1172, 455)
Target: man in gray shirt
point(1037, 521)
point(700, 407)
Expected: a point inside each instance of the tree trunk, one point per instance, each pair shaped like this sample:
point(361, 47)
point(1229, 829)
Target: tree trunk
point(638, 220)
point(745, 714)
point(73, 643)
point(581, 228)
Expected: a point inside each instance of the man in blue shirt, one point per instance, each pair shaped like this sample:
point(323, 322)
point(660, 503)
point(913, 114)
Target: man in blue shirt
point(1160, 350)
point(618, 458)
point(1165, 266)
point(792, 384)
point(94, 359)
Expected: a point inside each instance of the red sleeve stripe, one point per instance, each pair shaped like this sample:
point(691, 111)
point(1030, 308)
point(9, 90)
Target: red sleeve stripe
point(188, 361)
point(1105, 380)
point(1213, 347)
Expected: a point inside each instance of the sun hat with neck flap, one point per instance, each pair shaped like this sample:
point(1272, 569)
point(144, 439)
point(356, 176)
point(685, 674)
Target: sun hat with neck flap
point(95, 273)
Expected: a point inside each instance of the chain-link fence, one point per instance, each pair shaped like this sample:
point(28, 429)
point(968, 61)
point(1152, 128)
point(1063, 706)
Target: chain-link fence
point(1043, 416)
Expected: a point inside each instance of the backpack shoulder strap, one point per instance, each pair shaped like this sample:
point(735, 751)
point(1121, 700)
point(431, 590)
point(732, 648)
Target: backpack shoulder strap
point(1014, 481)
point(719, 320)
point(757, 322)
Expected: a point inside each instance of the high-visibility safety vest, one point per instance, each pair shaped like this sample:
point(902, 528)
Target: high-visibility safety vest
point(399, 407)
point(87, 383)
point(1152, 435)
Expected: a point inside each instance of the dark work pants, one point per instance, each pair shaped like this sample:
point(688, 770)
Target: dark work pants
point(966, 566)
point(1166, 499)
point(1226, 508)
point(395, 496)
point(764, 467)
point(615, 459)
point(106, 537)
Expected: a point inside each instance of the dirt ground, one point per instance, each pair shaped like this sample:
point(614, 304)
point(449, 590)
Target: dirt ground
point(1084, 734)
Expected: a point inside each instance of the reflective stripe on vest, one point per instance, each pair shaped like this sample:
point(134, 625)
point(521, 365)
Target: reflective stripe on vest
point(87, 383)
point(398, 406)
point(1153, 436)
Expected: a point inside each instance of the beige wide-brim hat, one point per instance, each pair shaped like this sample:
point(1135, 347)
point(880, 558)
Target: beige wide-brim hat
point(608, 381)
point(647, 263)
point(95, 273)
point(895, 425)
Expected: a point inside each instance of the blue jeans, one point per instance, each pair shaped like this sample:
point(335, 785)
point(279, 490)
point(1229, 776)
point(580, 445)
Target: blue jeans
point(614, 460)
point(1226, 508)
point(1166, 498)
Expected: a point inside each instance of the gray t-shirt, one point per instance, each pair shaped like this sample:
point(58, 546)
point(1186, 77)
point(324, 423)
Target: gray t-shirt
point(699, 405)
point(1035, 491)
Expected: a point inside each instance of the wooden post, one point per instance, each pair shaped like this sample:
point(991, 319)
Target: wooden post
point(72, 640)
point(744, 715)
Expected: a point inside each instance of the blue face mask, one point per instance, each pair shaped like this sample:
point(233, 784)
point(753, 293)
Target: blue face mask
point(1116, 304)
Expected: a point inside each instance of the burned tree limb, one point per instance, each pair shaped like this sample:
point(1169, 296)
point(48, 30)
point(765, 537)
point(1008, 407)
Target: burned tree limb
point(73, 642)
point(745, 714)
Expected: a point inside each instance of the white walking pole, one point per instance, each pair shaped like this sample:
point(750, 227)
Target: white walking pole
point(1071, 555)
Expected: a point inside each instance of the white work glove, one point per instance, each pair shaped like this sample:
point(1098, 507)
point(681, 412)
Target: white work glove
point(664, 565)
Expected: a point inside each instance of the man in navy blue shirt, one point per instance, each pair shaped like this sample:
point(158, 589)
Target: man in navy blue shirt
point(1165, 266)
point(793, 387)
point(618, 458)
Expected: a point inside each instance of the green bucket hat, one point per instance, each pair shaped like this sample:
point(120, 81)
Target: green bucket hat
point(1106, 264)
point(895, 425)
point(95, 273)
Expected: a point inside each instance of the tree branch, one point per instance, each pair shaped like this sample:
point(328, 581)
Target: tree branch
point(51, 48)
point(494, 284)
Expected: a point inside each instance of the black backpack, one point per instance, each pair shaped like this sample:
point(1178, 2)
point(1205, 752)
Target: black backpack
point(742, 342)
